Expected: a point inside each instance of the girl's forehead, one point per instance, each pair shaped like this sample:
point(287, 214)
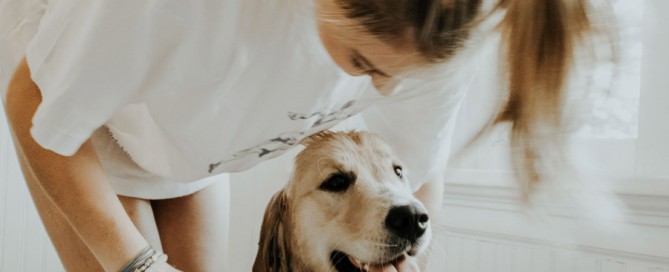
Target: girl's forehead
point(355, 50)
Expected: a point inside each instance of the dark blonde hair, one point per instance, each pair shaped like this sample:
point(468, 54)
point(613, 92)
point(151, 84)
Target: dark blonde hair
point(540, 37)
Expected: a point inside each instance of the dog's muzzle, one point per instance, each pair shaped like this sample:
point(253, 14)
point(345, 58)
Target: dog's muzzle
point(405, 224)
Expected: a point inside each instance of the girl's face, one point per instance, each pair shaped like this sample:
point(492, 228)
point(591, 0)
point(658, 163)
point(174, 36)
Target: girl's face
point(360, 53)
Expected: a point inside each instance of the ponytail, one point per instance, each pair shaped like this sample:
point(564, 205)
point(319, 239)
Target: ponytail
point(540, 38)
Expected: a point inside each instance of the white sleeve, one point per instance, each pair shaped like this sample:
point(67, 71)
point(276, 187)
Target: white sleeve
point(92, 58)
point(419, 130)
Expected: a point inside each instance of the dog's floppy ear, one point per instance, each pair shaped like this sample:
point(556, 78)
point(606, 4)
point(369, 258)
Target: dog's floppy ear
point(273, 253)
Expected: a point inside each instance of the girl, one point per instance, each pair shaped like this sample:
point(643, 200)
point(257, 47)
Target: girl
point(127, 114)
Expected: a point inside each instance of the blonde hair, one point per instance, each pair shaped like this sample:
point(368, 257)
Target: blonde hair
point(540, 37)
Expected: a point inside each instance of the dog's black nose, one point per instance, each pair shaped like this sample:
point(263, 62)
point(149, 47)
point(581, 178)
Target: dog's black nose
point(408, 222)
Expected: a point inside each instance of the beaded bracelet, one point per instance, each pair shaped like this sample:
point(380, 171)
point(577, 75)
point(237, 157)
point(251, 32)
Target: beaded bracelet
point(158, 257)
point(146, 252)
point(144, 260)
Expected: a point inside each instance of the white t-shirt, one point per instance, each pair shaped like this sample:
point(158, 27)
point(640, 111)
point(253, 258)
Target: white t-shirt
point(196, 88)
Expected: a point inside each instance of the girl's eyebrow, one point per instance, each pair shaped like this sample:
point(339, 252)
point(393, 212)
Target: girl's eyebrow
point(369, 64)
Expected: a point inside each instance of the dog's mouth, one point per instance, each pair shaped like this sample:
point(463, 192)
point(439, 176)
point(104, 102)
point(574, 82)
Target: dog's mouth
point(343, 262)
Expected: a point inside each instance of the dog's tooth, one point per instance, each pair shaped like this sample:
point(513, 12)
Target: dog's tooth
point(357, 263)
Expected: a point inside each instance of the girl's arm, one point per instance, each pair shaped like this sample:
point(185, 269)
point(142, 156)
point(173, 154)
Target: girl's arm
point(77, 184)
point(431, 194)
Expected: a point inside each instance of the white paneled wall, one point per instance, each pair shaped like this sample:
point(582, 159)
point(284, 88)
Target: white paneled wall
point(487, 228)
point(477, 253)
point(468, 253)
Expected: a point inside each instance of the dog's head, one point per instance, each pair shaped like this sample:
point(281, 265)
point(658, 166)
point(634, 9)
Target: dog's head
point(348, 205)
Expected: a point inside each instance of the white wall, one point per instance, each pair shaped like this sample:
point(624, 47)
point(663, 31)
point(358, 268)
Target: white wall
point(652, 120)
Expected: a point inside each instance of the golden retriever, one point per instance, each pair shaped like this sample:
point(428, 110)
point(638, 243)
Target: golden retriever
point(347, 207)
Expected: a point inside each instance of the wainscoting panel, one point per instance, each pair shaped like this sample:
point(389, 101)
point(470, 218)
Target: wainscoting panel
point(484, 228)
point(477, 253)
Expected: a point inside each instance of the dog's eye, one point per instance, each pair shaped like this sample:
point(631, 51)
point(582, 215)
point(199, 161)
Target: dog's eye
point(398, 171)
point(337, 182)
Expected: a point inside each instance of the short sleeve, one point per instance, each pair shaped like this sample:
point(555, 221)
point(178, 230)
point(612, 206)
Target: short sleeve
point(419, 129)
point(92, 58)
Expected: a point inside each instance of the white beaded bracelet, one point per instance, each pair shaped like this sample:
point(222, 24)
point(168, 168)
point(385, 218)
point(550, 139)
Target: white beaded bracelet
point(131, 266)
point(144, 260)
point(157, 257)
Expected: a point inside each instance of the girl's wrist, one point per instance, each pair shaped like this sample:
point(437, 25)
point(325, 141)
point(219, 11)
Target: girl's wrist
point(145, 260)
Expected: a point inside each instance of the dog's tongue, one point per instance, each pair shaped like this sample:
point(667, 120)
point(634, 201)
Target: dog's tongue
point(356, 263)
point(366, 267)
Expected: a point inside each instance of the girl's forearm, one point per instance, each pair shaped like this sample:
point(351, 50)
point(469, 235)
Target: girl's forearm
point(77, 185)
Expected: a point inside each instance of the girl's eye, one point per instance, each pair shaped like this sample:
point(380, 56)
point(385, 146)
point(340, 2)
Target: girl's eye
point(358, 65)
point(398, 171)
point(337, 182)
point(372, 72)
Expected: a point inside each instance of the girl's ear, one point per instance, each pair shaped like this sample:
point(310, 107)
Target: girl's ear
point(273, 253)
